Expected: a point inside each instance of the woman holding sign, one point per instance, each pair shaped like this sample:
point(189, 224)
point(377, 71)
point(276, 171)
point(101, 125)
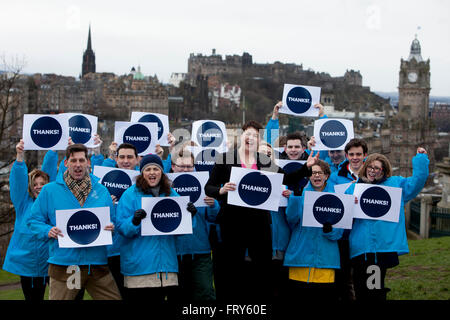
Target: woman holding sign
point(27, 254)
point(313, 253)
point(246, 228)
point(148, 263)
point(375, 244)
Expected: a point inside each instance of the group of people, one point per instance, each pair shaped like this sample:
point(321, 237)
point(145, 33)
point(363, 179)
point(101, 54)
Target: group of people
point(234, 253)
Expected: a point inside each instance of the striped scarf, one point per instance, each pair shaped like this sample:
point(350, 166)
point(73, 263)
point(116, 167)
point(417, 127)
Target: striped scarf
point(79, 188)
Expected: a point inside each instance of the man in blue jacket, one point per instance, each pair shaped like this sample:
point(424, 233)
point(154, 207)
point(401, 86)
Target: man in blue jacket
point(74, 189)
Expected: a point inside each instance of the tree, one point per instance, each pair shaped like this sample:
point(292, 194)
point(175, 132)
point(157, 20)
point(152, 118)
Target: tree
point(13, 94)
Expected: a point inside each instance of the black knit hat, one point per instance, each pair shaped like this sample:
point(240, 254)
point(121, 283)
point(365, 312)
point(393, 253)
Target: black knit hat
point(151, 159)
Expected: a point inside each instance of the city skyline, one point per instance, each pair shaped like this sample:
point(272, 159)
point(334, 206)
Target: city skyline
point(369, 36)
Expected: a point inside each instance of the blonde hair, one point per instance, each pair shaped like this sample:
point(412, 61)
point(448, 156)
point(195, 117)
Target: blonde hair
point(36, 173)
point(387, 168)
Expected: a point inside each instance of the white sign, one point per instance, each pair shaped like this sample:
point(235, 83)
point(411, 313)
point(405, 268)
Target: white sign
point(341, 188)
point(322, 207)
point(377, 202)
point(45, 132)
point(116, 180)
point(143, 135)
point(332, 134)
point(210, 134)
point(161, 120)
point(82, 128)
point(255, 189)
point(204, 159)
point(166, 216)
point(299, 100)
point(83, 227)
point(191, 184)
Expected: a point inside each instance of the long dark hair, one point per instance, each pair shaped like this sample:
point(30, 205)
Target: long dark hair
point(164, 184)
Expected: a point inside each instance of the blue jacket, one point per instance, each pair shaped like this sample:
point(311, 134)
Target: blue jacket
point(272, 131)
point(280, 230)
point(57, 196)
point(384, 236)
point(27, 254)
point(342, 174)
point(140, 255)
point(198, 241)
point(309, 246)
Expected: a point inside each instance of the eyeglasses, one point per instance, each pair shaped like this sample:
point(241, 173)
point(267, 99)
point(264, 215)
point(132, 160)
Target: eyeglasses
point(374, 169)
point(184, 167)
point(318, 173)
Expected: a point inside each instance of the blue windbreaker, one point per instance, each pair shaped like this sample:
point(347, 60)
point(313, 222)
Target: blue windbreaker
point(384, 236)
point(140, 255)
point(309, 246)
point(198, 241)
point(27, 254)
point(57, 196)
point(280, 230)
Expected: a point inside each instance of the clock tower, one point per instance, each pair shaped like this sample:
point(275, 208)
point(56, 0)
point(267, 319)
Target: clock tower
point(414, 84)
point(412, 127)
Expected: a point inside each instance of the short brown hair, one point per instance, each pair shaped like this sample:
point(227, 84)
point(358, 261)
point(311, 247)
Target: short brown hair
point(387, 168)
point(355, 143)
point(324, 166)
point(77, 147)
point(252, 124)
point(36, 173)
point(297, 135)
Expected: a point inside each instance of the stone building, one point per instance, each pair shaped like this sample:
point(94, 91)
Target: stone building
point(412, 126)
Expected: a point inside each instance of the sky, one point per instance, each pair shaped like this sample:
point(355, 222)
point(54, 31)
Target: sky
point(324, 35)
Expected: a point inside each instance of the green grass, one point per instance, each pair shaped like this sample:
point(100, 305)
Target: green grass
point(424, 273)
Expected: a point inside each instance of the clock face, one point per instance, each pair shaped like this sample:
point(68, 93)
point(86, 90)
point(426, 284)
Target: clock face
point(412, 77)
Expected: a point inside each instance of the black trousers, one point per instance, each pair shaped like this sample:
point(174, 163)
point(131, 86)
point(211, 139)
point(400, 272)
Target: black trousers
point(243, 230)
point(33, 287)
point(114, 266)
point(297, 292)
point(369, 273)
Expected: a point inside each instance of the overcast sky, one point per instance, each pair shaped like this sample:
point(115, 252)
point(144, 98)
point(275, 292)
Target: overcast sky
point(324, 35)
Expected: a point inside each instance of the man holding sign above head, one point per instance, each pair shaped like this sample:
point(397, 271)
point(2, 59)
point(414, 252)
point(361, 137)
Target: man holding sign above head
point(313, 253)
point(376, 244)
point(148, 263)
point(246, 228)
point(75, 189)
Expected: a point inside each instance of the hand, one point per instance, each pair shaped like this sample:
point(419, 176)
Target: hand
point(112, 149)
point(97, 142)
point(321, 109)
point(312, 160)
point(327, 227)
point(70, 141)
point(171, 140)
point(356, 200)
point(286, 193)
point(20, 150)
point(139, 214)
point(229, 186)
point(276, 108)
point(421, 150)
point(113, 198)
point(191, 208)
point(311, 143)
point(54, 233)
point(209, 201)
point(110, 227)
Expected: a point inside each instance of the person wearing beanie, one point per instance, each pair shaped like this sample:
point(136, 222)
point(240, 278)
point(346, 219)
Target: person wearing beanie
point(149, 263)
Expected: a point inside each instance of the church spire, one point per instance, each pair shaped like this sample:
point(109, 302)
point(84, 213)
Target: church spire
point(89, 45)
point(88, 65)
